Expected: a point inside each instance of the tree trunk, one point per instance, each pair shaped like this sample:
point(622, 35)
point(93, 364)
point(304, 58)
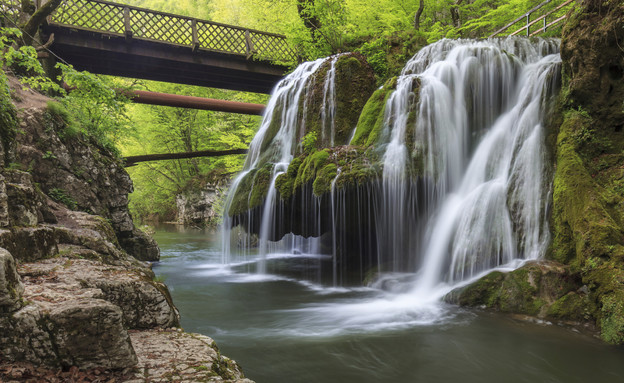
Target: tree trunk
point(419, 12)
point(455, 13)
point(32, 25)
point(305, 9)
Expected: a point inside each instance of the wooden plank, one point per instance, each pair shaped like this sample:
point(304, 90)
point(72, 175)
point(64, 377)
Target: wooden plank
point(133, 160)
point(127, 26)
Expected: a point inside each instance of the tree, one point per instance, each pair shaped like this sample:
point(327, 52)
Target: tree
point(31, 26)
point(421, 8)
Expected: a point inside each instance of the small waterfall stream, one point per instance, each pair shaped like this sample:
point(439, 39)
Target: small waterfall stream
point(465, 183)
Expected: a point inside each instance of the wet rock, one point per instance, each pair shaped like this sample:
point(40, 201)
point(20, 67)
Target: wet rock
point(531, 289)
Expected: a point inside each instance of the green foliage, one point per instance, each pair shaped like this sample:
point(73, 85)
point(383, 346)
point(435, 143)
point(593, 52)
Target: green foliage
point(8, 117)
point(23, 61)
point(95, 107)
point(172, 130)
point(309, 142)
point(61, 196)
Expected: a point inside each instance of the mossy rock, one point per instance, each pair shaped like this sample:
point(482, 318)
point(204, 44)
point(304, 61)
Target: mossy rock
point(370, 123)
point(354, 83)
point(530, 290)
point(347, 165)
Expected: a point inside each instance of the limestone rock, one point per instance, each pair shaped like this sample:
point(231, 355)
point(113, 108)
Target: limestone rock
point(197, 207)
point(140, 245)
point(80, 174)
point(182, 357)
point(90, 333)
point(11, 287)
point(23, 338)
point(143, 302)
point(29, 243)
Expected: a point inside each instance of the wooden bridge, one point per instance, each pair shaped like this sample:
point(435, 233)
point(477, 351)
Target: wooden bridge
point(121, 40)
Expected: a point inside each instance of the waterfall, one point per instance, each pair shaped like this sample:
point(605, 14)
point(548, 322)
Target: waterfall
point(464, 186)
point(275, 143)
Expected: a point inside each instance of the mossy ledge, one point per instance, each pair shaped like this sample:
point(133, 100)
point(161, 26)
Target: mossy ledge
point(354, 83)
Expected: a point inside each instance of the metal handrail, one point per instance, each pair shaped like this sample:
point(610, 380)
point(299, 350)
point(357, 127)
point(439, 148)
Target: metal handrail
point(529, 23)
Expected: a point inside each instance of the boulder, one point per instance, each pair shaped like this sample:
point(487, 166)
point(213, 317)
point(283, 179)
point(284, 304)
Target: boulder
point(11, 287)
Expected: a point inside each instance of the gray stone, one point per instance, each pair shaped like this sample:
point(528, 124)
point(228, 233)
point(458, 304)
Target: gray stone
point(89, 334)
point(11, 287)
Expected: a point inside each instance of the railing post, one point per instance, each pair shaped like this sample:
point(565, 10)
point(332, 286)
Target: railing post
point(528, 22)
point(127, 27)
point(248, 44)
point(545, 23)
point(195, 35)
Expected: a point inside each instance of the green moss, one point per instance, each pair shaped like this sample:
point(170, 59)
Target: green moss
point(482, 292)
point(260, 186)
point(612, 318)
point(61, 119)
point(582, 225)
point(371, 119)
point(324, 178)
point(240, 201)
point(309, 167)
point(571, 306)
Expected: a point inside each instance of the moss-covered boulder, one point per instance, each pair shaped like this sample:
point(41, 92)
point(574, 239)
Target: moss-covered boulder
point(317, 128)
point(543, 289)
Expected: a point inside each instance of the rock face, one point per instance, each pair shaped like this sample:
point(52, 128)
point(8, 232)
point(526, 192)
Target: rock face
point(70, 294)
point(79, 174)
point(199, 207)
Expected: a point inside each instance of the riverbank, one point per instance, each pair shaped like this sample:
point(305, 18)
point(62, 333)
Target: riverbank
point(76, 303)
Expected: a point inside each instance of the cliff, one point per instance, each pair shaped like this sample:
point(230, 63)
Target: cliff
point(75, 302)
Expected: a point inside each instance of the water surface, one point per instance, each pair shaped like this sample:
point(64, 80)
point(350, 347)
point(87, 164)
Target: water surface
point(284, 329)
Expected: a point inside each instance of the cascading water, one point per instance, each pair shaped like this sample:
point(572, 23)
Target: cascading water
point(464, 186)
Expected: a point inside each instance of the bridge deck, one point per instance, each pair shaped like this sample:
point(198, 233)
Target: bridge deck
point(117, 39)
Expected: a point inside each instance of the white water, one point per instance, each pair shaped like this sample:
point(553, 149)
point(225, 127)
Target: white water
point(465, 186)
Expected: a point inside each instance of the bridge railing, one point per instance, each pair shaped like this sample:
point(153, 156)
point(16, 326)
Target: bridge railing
point(146, 24)
point(549, 15)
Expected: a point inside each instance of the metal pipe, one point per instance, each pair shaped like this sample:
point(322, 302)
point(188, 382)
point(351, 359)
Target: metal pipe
point(191, 102)
point(176, 100)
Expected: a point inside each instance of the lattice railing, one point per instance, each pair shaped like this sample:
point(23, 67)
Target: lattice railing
point(10, 9)
point(145, 24)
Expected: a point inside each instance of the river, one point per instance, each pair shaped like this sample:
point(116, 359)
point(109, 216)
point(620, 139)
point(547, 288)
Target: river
point(284, 329)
